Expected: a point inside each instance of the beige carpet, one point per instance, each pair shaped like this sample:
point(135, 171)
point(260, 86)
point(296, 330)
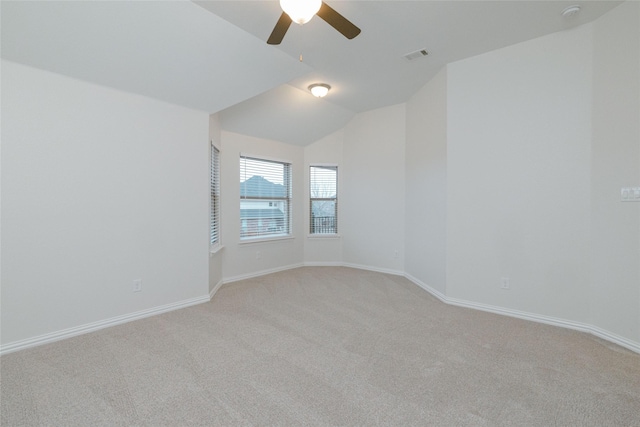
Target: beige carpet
point(324, 346)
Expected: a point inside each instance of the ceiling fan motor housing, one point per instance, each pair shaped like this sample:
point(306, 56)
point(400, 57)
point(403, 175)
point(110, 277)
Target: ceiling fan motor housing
point(300, 12)
point(320, 8)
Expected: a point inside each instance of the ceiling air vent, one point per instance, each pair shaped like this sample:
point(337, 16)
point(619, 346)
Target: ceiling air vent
point(417, 54)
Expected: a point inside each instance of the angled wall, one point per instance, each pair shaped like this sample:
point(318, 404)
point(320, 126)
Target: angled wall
point(518, 196)
point(540, 137)
point(250, 258)
point(426, 185)
point(373, 196)
point(615, 226)
point(324, 250)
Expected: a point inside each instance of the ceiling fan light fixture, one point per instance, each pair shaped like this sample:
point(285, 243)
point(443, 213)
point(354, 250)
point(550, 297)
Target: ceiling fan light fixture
point(300, 11)
point(319, 90)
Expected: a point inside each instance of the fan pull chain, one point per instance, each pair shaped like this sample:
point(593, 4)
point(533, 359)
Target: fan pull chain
point(302, 44)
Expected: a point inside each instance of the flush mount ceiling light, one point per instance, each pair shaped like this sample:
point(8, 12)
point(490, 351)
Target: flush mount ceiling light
point(300, 11)
point(319, 90)
point(571, 11)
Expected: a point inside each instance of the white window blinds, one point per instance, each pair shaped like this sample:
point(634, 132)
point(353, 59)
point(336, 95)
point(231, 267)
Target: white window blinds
point(265, 198)
point(215, 195)
point(323, 203)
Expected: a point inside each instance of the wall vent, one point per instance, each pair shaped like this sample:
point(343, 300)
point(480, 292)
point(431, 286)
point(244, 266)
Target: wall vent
point(417, 54)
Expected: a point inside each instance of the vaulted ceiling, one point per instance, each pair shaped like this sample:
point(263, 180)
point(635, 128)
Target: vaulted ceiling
point(213, 56)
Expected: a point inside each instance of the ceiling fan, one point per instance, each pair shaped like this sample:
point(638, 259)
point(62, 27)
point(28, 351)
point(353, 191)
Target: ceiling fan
point(301, 11)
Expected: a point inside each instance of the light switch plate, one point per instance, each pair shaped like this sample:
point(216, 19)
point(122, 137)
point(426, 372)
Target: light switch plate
point(630, 194)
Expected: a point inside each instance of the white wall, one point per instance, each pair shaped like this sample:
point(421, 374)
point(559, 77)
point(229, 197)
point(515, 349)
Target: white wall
point(615, 226)
point(99, 187)
point(327, 151)
point(519, 135)
point(372, 195)
point(241, 260)
point(508, 164)
point(541, 136)
point(426, 184)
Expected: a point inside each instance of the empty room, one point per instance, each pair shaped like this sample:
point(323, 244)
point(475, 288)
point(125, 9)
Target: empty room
point(350, 213)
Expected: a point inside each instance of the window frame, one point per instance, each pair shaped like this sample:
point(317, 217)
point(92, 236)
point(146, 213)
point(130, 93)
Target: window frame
point(271, 201)
point(334, 200)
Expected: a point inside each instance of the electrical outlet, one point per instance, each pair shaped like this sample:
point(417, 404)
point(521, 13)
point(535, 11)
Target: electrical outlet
point(258, 255)
point(137, 285)
point(504, 283)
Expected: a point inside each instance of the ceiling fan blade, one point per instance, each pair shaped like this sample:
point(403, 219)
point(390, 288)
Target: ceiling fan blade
point(280, 29)
point(337, 21)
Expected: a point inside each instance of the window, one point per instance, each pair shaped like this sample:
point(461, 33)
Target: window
point(265, 198)
point(215, 195)
point(323, 191)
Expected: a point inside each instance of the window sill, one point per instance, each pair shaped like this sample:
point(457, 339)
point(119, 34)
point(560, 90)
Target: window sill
point(265, 239)
point(215, 249)
point(323, 236)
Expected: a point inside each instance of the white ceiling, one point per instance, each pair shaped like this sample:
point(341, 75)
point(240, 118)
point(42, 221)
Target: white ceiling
point(212, 55)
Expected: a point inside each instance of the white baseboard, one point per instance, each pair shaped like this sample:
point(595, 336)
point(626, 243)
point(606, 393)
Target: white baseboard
point(261, 273)
point(312, 264)
point(539, 318)
point(614, 338)
point(215, 289)
point(96, 326)
point(350, 265)
point(323, 264)
point(371, 268)
point(442, 297)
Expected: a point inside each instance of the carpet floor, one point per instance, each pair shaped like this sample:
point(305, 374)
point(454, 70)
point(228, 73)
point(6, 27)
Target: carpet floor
point(323, 346)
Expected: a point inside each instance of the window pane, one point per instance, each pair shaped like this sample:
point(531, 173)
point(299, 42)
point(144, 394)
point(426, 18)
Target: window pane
point(265, 196)
point(260, 178)
point(323, 217)
point(323, 190)
point(323, 182)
